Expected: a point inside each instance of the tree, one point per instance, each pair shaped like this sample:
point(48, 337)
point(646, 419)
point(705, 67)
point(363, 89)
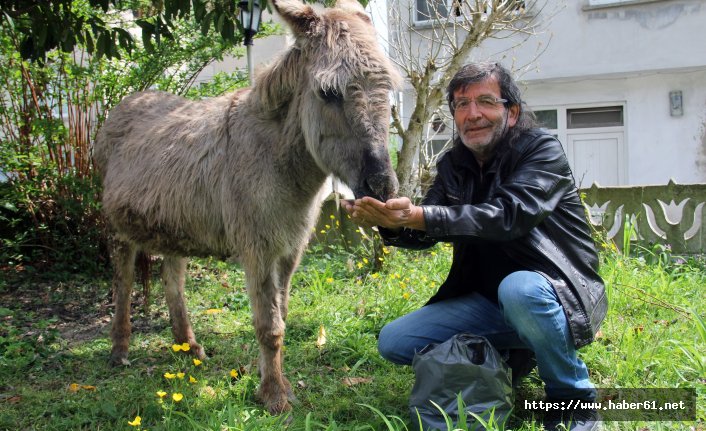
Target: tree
point(430, 55)
point(44, 25)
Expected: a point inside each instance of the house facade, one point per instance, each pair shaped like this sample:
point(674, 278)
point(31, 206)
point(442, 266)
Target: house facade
point(621, 83)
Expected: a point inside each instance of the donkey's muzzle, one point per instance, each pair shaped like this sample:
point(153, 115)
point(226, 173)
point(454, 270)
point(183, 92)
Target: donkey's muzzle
point(381, 186)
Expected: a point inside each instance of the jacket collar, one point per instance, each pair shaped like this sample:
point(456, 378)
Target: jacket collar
point(463, 158)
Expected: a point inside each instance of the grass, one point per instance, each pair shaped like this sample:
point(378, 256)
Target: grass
point(54, 345)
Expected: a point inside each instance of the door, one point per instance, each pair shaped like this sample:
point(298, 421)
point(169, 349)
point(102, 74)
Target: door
point(596, 157)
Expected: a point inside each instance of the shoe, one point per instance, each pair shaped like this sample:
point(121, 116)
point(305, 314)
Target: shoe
point(573, 420)
point(522, 362)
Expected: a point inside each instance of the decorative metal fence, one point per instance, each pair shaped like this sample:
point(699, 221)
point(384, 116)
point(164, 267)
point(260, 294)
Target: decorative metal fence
point(671, 215)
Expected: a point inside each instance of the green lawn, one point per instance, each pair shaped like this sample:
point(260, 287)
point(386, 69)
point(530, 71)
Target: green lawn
point(54, 346)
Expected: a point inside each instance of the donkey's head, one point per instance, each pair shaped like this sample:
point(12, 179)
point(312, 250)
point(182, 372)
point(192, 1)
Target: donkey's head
point(340, 91)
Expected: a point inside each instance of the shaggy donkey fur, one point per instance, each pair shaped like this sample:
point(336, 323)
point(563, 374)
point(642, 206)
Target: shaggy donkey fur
point(237, 176)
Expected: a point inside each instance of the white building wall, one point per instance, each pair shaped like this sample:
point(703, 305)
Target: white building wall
point(658, 146)
point(264, 50)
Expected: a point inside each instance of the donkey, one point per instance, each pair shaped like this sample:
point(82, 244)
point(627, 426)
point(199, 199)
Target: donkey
point(237, 177)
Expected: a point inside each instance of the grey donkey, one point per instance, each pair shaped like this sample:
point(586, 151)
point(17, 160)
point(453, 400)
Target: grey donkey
point(237, 177)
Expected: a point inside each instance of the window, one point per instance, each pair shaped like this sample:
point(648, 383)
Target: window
point(434, 148)
point(607, 116)
point(430, 10)
point(547, 118)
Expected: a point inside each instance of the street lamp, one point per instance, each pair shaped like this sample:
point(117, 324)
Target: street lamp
point(250, 13)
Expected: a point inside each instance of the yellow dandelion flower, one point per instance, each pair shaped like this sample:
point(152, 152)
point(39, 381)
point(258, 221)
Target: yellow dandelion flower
point(359, 265)
point(376, 275)
point(322, 231)
point(381, 259)
point(406, 295)
point(365, 260)
point(135, 422)
point(177, 397)
point(185, 347)
point(327, 226)
point(433, 253)
point(197, 362)
point(338, 224)
point(386, 250)
point(161, 394)
point(176, 347)
point(213, 311)
point(329, 280)
point(74, 387)
point(180, 375)
point(192, 379)
point(332, 217)
point(234, 373)
point(169, 375)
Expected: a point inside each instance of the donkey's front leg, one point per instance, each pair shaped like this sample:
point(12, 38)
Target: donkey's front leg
point(173, 278)
point(265, 298)
point(123, 277)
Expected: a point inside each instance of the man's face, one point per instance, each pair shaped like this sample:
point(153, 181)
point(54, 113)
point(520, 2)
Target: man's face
point(481, 125)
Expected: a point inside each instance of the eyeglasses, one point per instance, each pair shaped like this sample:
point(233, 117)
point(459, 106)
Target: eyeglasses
point(482, 103)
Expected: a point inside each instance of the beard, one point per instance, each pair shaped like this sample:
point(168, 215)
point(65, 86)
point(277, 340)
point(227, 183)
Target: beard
point(482, 137)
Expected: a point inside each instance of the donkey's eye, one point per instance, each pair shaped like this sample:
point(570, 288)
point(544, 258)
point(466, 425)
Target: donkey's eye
point(330, 95)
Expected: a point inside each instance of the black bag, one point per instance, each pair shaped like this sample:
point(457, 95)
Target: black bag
point(467, 366)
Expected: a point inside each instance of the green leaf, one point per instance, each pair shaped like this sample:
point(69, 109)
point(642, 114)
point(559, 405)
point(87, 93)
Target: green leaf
point(228, 31)
point(206, 23)
point(219, 21)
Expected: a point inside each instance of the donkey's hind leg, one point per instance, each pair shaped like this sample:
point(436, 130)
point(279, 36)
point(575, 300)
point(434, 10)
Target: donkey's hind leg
point(173, 279)
point(123, 277)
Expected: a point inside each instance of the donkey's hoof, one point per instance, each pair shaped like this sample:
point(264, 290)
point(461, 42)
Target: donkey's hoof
point(276, 403)
point(278, 407)
point(198, 351)
point(119, 360)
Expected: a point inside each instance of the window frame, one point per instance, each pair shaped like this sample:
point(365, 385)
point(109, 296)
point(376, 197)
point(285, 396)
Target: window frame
point(453, 11)
point(604, 4)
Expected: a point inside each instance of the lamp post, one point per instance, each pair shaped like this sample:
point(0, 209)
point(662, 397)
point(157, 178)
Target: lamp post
point(250, 13)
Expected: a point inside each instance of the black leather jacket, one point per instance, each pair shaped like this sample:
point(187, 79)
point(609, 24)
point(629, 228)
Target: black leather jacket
point(532, 211)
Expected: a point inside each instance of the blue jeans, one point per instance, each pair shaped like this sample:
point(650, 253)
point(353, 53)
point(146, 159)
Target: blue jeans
point(528, 316)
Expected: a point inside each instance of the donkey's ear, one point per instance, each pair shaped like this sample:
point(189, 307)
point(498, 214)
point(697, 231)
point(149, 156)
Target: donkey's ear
point(301, 17)
point(351, 5)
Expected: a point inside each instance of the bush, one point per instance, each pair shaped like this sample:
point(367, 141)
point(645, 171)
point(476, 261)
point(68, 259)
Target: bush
point(55, 227)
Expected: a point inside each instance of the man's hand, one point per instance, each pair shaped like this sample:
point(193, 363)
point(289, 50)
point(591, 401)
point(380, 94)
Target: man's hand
point(393, 214)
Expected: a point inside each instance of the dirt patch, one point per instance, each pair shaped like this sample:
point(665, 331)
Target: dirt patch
point(78, 311)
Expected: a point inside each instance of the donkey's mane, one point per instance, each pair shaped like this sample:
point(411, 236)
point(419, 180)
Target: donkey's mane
point(275, 84)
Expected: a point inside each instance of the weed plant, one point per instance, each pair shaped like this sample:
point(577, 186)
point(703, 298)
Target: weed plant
point(54, 346)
